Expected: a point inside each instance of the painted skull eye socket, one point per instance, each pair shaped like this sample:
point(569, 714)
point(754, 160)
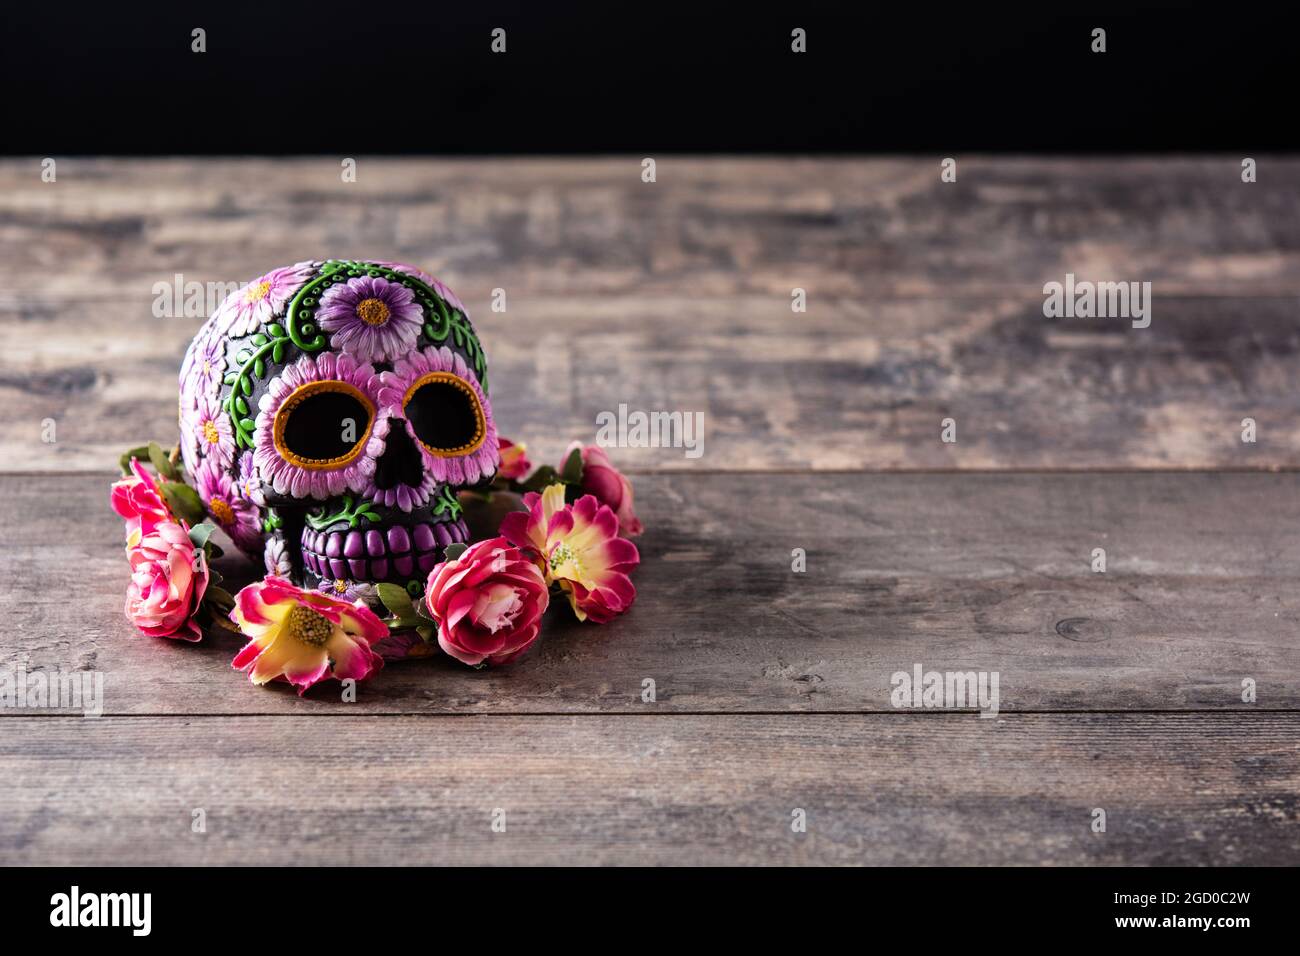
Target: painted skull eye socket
point(445, 414)
point(323, 425)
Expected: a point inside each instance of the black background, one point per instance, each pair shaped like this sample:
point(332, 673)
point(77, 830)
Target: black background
point(372, 78)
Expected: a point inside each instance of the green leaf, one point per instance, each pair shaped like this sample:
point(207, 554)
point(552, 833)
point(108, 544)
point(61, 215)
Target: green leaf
point(242, 356)
point(183, 500)
point(231, 377)
point(259, 368)
point(425, 632)
point(125, 461)
point(161, 463)
point(454, 551)
point(276, 329)
point(422, 612)
point(572, 471)
point(201, 532)
point(399, 602)
point(241, 406)
point(540, 479)
point(218, 597)
point(277, 351)
point(260, 339)
point(246, 385)
point(247, 424)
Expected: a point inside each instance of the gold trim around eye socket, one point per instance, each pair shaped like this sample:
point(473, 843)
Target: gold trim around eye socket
point(300, 395)
point(480, 422)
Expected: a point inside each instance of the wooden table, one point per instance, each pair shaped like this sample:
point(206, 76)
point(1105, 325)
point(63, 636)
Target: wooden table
point(1120, 690)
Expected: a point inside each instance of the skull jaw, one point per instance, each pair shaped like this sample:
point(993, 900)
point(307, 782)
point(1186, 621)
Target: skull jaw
point(376, 544)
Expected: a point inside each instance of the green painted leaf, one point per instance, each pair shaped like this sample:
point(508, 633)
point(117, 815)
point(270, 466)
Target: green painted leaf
point(246, 385)
point(259, 368)
point(276, 329)
point(260, 339)
point(454, 551)
point(231, 377)
point(242, 357)
point(247, 424)
point(277, 352)
point(241, 406)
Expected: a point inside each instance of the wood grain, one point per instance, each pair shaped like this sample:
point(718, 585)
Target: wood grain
point(953, 571)
point(1119, 690)
point(925, 300)
point(877, 789)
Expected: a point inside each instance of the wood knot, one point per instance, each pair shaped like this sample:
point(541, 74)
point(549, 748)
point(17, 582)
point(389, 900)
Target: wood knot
point(1083, 629)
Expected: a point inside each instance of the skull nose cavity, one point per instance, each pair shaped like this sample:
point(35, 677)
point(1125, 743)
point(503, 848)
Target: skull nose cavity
point(400, 464)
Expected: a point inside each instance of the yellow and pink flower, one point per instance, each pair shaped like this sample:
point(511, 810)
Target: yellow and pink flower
point(514, 460)
point(579, 549)
point(488, 603)
point(304, 636)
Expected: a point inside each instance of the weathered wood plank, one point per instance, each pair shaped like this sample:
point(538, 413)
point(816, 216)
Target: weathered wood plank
point(957, 572)
point(876, 789)
point(925, 300)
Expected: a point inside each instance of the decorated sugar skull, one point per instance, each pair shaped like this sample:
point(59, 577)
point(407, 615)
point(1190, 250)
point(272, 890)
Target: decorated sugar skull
point(329, 413)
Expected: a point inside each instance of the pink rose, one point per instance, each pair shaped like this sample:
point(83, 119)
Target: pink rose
point(165, 588)
point(514, 460)
point(488, 603)
point(609, 486)
point(137, 499)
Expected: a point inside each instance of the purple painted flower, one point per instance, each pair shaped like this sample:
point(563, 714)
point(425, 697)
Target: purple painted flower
point(372, 318)
point(276, 556)
point(249, 485)
point(457, 469)
point(207, 431)
point(290, 477)
point(447, 295)
point(350, 591)
point(247, 308)
point(237, 516)
point(209, 364)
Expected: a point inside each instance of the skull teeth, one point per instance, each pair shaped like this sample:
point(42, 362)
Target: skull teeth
point(375, 556)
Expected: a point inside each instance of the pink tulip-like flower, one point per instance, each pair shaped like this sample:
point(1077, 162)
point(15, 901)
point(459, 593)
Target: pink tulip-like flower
point(514, 460)
point(304, 636)
point(137, 499)
point(488, 603)
point(168, 578)
point(579, 548)
point(609, 485)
